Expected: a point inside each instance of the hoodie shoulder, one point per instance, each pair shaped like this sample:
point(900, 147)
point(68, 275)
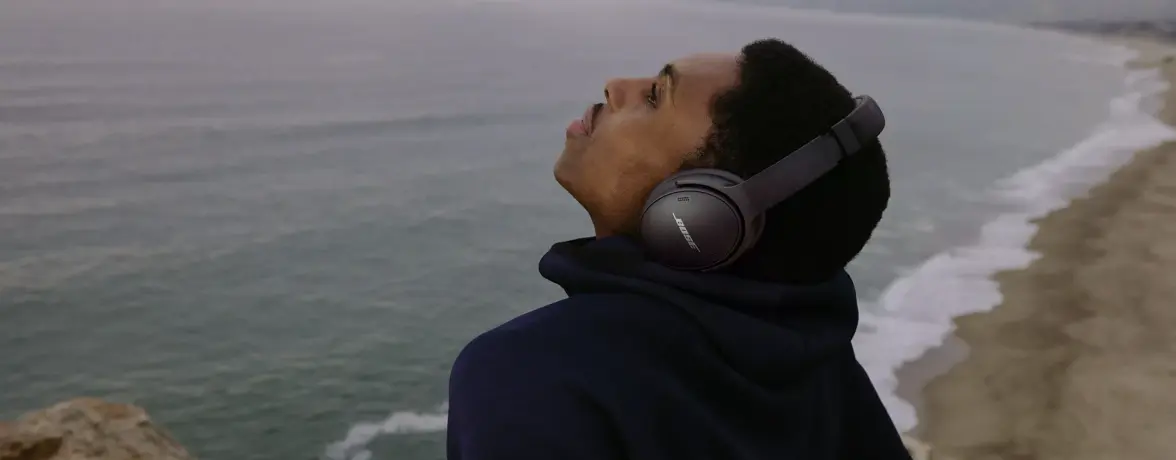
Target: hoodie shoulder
point(586, 309)
point(580, 326)
point(514, 393)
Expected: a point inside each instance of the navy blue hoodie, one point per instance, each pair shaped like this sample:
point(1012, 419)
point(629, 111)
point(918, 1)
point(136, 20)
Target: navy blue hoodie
point(642, 362)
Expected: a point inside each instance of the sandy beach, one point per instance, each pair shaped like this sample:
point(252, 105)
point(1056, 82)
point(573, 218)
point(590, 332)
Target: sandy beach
point(1079, 360)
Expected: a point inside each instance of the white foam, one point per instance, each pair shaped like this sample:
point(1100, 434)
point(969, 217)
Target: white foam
point(915, 313)
point(354, 445)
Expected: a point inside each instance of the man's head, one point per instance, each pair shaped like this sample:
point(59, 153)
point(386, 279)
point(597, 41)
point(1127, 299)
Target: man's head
point(739, 113)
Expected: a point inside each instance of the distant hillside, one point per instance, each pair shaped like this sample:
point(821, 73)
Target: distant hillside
point(1152, 28)
point(1009, 11)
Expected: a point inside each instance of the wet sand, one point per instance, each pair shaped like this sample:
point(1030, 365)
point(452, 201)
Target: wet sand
point(1079, 360)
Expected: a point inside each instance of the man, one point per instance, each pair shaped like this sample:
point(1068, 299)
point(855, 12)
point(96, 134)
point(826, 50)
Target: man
point(644, 362)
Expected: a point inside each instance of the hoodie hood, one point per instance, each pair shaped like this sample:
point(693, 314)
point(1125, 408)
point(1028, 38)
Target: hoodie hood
point(765, 331)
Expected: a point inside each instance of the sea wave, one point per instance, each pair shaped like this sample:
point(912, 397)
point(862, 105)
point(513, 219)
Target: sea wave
point(354, 445)
point(915, 313)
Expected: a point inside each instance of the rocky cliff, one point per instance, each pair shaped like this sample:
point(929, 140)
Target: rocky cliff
point(87, 429)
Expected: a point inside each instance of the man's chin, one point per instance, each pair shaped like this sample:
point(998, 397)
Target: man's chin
point(564, 170)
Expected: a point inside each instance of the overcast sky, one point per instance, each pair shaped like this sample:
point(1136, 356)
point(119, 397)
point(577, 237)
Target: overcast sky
point(1000, 10)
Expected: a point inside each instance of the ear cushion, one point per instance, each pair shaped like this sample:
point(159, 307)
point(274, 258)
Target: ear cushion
point(714, 178)
point(694, 226)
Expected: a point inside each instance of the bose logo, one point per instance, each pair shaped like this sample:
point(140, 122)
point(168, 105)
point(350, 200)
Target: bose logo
point(685, 233)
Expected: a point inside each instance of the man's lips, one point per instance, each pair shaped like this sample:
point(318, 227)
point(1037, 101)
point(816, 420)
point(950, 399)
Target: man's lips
point(583, 126)
point(589, 117)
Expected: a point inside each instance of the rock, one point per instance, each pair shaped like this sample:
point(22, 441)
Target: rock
point(919, 450)
point(88, 429)
point(19, 445)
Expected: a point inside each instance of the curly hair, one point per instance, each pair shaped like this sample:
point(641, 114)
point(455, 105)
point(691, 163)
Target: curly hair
point(784, 99)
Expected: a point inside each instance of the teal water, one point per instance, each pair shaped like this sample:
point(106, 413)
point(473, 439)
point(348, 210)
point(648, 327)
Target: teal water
point(274, 223)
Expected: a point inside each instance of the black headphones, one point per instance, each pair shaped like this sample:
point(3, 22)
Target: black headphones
point(704, 219)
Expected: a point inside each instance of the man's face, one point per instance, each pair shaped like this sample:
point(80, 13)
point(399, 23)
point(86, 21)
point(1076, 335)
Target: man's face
point(641, 133)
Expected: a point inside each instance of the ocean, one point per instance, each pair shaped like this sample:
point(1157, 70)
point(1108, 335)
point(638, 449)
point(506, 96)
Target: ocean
point(275, 223)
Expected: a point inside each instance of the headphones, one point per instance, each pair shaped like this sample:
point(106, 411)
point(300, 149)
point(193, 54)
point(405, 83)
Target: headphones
point(705, 219)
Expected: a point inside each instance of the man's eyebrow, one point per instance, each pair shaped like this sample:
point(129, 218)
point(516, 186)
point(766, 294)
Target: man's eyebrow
point(671, 74)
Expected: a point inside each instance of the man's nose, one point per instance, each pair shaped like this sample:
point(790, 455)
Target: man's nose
point(620, 92)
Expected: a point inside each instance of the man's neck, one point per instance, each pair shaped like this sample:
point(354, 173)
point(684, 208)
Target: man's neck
point(608, 232)
point(604, 231)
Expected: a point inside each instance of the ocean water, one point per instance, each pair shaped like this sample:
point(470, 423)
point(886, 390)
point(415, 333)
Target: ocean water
point(274, 224)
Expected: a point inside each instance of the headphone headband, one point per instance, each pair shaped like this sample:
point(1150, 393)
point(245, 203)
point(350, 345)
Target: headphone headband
point(805, 165)
point(714, 216)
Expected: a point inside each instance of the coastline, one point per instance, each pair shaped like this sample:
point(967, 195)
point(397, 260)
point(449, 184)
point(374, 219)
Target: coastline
point(1074, 361)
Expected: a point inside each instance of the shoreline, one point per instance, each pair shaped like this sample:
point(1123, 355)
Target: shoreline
point(1086, 376)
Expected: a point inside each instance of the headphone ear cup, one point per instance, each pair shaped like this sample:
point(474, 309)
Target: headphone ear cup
point(662, 188)
point(753, 230)
point(693, 227)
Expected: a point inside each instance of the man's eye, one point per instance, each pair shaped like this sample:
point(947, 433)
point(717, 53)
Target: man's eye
point(652, 97)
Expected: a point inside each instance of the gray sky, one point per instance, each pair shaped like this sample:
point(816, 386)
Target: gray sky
point(993, 10)
point(999, 10)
